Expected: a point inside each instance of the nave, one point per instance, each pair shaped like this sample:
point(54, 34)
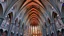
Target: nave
point(31, 17)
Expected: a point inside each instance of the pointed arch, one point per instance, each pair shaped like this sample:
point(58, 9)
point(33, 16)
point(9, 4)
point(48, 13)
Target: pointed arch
point(62, 9)
point(54, 15)
point(10, 15)
point(62, 12)
point(1, 10)
point(49, 20)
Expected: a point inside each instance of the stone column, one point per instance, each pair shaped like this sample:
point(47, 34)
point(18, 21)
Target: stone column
point(10, 28)
point(15, 31)
point(44, 31)
point(19, 32)
point(54, 29)
point(48, 27)
point(49, 31)
point(20, 28)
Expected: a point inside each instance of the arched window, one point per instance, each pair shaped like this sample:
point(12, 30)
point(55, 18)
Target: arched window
point(1, 10)
point(35, 31)
point(54, 15)
point(48, 20)
point(62, 12)
point(10, 15)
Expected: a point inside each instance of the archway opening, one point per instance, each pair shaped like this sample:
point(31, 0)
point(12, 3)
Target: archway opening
point(48, 20)
point(10, 16)
point(54, 15)
point(1, 10)
point(62, 12)
point(62, 9)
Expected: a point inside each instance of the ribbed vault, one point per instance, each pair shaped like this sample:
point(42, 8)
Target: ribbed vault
point(33, 15)
point(33, 10)
point(36, 17)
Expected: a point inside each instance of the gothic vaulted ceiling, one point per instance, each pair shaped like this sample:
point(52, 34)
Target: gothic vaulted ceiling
point(32, 11)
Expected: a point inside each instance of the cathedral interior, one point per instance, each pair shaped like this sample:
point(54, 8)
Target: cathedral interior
point(31, 17)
